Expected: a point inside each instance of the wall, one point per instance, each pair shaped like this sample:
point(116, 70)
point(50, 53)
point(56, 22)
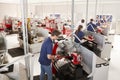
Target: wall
point(105, 8)
point(64, 10)
point(14, 10)
point(9, 10)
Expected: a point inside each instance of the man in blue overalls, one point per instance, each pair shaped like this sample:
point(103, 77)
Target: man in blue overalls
point(46, 55)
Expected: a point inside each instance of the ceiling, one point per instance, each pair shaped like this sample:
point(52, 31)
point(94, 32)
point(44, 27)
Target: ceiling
point(39, 1)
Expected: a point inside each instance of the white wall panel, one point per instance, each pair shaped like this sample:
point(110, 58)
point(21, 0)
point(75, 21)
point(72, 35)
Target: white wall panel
point(46, 10)
point(14, 10)
point(9, 10)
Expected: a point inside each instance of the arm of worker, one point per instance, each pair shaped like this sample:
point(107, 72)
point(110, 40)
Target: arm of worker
point(49, 49)
point(52, 57)
point(88, 38)
point(49, 56)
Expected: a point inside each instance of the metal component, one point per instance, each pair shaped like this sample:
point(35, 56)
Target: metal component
point(72, 13)
point(3, 49)
point(96, 3)
point(87, 11)
point(24, 5)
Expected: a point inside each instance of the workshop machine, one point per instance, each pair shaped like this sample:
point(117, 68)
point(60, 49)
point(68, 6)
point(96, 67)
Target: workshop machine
point(9, 70)
point(96, 60)
point(35, 36)
point(94, 64)
point(3, 56)
point(3, 49)
point(67, 65)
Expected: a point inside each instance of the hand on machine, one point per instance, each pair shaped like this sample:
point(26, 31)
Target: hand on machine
point(89, 38)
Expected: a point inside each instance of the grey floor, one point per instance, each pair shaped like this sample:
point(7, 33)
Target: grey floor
point(114, 68)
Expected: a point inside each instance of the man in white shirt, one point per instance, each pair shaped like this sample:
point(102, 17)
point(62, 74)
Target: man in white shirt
point(82, 22)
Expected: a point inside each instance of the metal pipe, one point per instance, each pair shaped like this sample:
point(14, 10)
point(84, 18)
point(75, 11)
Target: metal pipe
point(96, 8)
point(31, 67)
point(87, 11)
point(72, 13)
point(24, 10)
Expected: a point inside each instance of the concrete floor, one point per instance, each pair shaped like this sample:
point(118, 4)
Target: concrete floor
point(114, 69)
